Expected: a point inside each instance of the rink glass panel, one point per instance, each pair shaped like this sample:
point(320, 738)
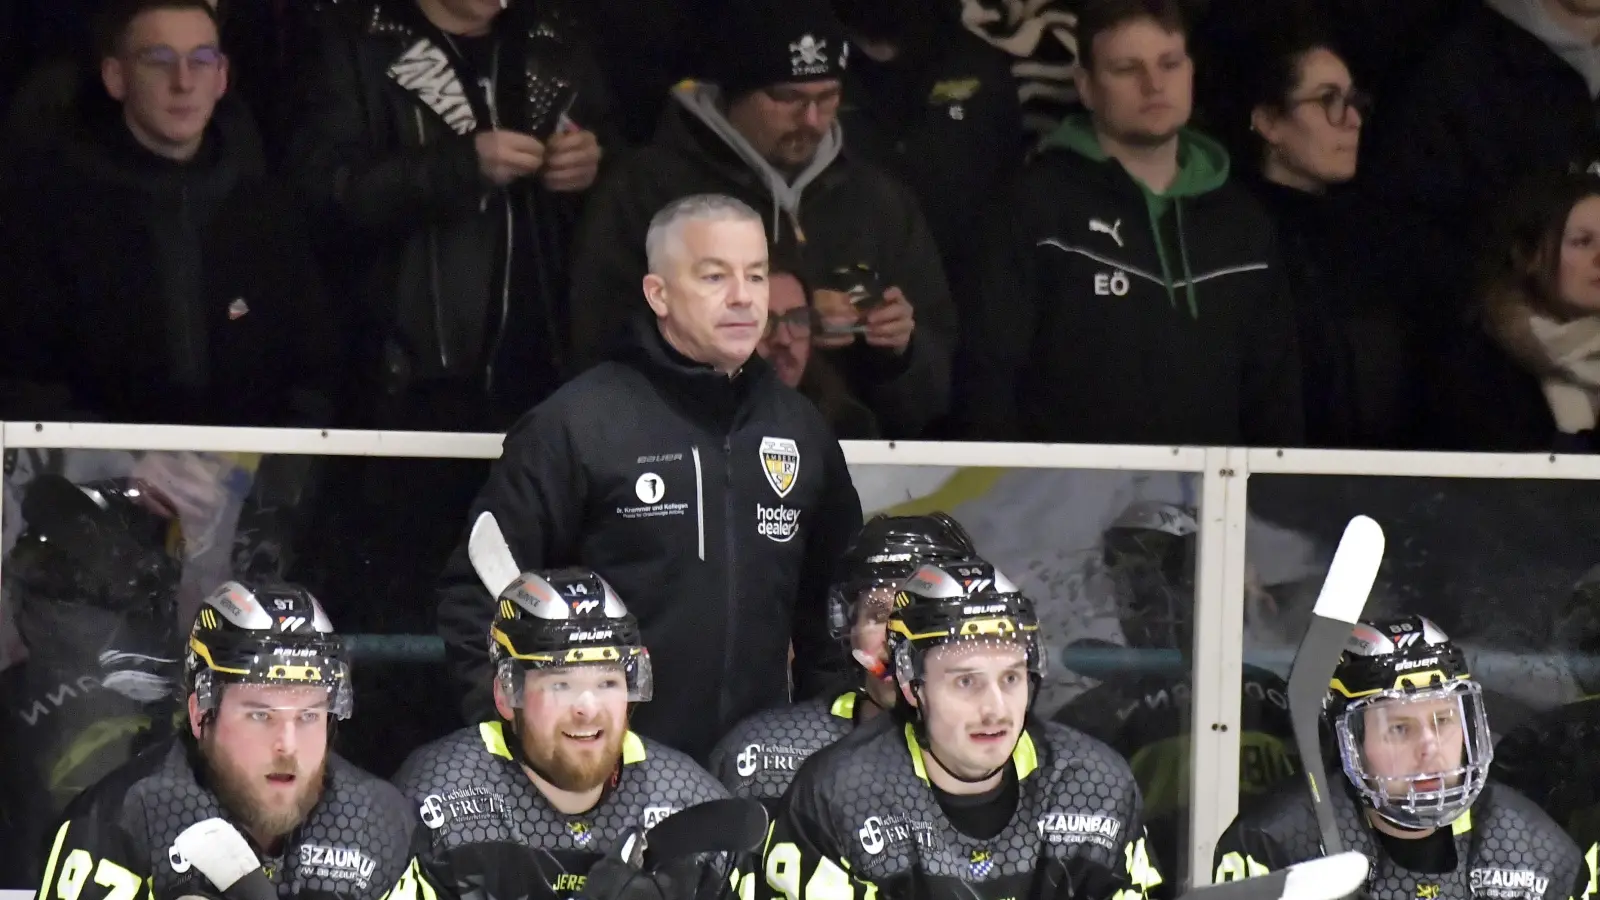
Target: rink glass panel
point(1505, 567)
point(1044, 528)
point(97, 596)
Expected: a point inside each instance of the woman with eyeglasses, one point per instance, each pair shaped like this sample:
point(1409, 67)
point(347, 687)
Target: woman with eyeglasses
point(1287, 106)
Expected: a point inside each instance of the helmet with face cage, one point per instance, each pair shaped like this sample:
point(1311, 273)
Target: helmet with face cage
point(1409, 721)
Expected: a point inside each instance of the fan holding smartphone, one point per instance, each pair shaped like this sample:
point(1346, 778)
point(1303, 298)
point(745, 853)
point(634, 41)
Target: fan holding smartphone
point(852, 301)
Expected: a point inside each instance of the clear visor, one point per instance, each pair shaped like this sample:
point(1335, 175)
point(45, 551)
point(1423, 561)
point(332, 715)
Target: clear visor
point(1419, 758)
point(589, 685)
point(986, 657)
point(860, 604)
point(329, 675)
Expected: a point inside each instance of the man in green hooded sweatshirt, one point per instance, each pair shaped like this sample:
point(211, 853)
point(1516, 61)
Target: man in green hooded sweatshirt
point(1126, 293)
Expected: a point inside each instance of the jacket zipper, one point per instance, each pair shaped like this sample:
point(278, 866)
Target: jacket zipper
point(433, 263)
point(728, 514)
point(699, 502)
point(505, 283)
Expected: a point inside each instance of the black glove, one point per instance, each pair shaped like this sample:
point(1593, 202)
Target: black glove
point(619, 875)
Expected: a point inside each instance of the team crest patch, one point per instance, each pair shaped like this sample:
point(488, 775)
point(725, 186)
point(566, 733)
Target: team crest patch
point(780, 459)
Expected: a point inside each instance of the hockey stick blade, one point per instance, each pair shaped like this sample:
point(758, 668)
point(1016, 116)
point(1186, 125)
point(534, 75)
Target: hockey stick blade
point(1324, 878)
point(491, 556)
point(1339, 605)
point(730, 825)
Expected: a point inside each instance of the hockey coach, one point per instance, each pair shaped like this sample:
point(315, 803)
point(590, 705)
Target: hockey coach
point(707, 492)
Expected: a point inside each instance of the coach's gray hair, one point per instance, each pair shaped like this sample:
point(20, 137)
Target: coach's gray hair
point(667, 224)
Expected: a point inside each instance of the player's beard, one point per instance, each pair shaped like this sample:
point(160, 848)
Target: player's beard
point(243, 795)
point(565, 768)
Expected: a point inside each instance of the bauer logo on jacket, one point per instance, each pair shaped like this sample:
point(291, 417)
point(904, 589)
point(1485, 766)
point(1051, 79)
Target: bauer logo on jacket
point(780, 459)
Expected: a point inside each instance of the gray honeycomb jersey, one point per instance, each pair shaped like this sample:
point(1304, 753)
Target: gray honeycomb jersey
point(759, 757)
point(864, 812)
point(355, 845)
point(1506, 848)
point(488, 832)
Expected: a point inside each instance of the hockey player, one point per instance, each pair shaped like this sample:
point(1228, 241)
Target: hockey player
point(250, 802)
point(959, 793)
point(1150, 551)
point(529, 804)
point(1414, 743)
point(759, 757)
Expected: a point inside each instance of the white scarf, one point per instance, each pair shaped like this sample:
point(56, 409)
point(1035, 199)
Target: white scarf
point(1574, 349)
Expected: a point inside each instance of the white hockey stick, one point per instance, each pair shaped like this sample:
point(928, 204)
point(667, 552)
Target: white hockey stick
point(491, 556)
point(1339, 605)
point(1324, 878)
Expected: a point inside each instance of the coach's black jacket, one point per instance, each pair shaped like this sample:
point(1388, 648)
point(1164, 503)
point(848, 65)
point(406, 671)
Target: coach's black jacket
point(715, 506)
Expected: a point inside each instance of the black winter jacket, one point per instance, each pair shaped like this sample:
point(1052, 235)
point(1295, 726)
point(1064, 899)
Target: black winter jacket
point(852, 213)
point(949, 125)
point(1108, 315)
point(137, 289)
point(385, 150)
point(716, 507)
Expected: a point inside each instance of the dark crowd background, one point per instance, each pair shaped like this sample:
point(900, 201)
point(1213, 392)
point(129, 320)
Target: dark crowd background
point(1421, 180)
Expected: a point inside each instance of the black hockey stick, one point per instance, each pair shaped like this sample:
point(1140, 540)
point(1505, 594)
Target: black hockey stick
point(1339, 605)
point(732, 825)
point(1324, 878)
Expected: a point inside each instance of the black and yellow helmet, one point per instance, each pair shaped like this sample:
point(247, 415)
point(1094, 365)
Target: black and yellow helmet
point(1402, 683)
point(885, 553)
point(565, 617)
point(267, 633)
point(969, 601)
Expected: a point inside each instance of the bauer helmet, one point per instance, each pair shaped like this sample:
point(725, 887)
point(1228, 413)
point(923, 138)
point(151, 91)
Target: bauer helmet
point(966, 602)
point(265, 633)
point(885, 553)
point(565, 617)
point(1409, 721)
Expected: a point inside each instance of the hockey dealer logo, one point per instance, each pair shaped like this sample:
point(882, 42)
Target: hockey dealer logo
point(1508, 883)
point(780, 460)
point(878, 832)
point(1079, 828)
point(755, 757)
point(779, 523)
point(336, 864)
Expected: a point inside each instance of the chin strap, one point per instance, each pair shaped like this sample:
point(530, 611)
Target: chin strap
point(922, 741)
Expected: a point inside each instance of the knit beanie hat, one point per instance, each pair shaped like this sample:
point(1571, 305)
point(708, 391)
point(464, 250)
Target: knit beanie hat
point(759, 43)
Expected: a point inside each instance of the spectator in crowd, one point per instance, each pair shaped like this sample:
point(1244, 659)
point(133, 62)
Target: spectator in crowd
point(1465, 129)
point(644, 48)
point(445, 146)
point(1291, 115)
point(786, 345)
point(149, 271)
point(935, 106)
point(1533, 385)
point(1128, 293)
point(766, 132)
point(703, 489)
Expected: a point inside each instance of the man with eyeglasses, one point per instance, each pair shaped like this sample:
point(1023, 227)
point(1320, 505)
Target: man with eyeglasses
point(150, 271)
point(1128, 293)
point(251, 802)
point(764, 128)
point(786, 345)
